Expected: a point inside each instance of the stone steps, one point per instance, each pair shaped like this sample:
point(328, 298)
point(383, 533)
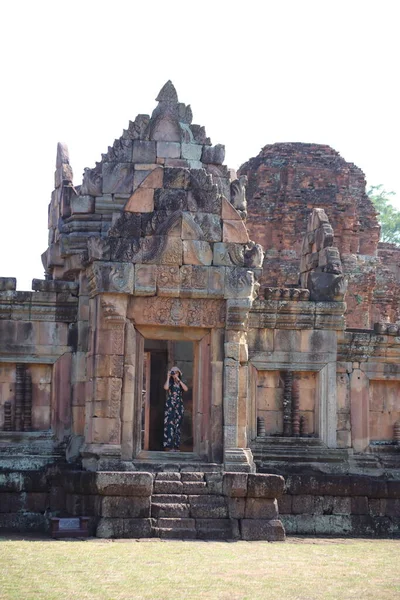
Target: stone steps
point(159, 510)
point(174, 513)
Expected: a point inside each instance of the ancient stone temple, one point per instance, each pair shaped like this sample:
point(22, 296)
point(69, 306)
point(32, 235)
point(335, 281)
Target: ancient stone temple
point(267, 288)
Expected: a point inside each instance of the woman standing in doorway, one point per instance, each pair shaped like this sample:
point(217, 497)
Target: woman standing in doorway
point(173, 415)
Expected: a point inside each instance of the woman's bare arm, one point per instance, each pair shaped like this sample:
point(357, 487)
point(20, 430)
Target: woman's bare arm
point(166, 384)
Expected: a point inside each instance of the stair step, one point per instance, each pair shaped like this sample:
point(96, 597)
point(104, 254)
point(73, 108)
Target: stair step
point(169, 510)
point(169, 498)
point(168, 476)
point(175, 534)
point(167, 487)
point(176, 523)
point(194, 487)
point(192, 476)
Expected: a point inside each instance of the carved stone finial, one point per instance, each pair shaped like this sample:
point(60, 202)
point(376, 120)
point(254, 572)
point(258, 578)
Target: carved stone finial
point(62, 155)
point(168, 94)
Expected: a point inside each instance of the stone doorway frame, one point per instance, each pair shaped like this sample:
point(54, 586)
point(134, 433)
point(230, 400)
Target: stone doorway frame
point(132, 390)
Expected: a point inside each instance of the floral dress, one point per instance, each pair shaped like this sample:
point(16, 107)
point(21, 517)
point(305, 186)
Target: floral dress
point(173, 417)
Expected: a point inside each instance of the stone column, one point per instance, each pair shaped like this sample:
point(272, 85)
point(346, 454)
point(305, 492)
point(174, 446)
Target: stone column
point(237, 456)
point(109, 285)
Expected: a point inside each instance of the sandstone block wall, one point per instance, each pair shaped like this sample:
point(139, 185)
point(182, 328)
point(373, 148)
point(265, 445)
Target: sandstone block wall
point(341, 505)
point(131, 504)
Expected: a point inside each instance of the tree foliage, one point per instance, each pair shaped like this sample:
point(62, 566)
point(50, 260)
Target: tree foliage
point(389, 216)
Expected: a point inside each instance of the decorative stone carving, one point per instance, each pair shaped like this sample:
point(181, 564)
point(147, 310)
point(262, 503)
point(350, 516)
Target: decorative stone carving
point(168, 280)
point(145, 280)
point(237, 313)
point(321, 266)
point(197, 252)
point(92, 184)
point(239, 283)
point(253, 255)
point(111, 277)
point(117, 178)
point(235, 232)
point(177, 312)
point(161, 249)
point(238, 195)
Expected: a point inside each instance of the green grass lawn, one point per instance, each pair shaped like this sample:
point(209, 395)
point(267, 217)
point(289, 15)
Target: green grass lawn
point(301, 569)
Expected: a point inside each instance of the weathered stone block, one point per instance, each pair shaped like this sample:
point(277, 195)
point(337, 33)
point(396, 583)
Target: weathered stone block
point(141, 201)
point(110, 528)
point(265, 486)
point(213, 154)
point(261, 508)
point(124, 484)
point(236, 507)
point(82, 204)
point(217, 529)
point(168, 280)
point(170, 199)
point(117, 178)
point(234, 232)
point(205, 507)
point(144, 152)
point(148, 179)
point(303, 505)
point(176, 178)
point(111, 277)
point(196, 252)
point(125, 508)
point(260, 529)
point(285, 504)
point(145, 280)
point(192, 151)
point(168, 150)
point(137, 528)
point(359, 505)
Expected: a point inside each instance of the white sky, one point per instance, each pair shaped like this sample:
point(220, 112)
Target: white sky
point(254, 72)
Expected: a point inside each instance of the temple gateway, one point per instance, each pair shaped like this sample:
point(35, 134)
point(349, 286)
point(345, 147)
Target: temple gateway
point(270, 291)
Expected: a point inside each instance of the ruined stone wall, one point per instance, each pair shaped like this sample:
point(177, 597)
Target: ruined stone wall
point(285, 182)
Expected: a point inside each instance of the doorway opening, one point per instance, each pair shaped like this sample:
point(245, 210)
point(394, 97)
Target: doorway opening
point(159, 357)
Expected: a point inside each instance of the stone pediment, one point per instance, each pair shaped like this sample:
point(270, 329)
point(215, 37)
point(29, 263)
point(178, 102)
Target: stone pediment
point(160, 196)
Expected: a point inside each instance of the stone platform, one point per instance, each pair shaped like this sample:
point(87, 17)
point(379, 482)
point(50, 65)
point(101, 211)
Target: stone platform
point(167, 504)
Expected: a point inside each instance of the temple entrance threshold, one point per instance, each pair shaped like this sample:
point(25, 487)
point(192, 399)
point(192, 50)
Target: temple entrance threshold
point(157, 350)
point(159, 357)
